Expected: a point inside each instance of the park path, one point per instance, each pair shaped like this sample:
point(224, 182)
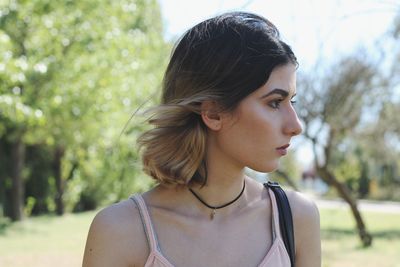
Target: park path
point(364, 205)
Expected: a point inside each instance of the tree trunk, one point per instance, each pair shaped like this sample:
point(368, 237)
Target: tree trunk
point(328, 177)
point(17, 183)
point(2, 179)
point(60, 186)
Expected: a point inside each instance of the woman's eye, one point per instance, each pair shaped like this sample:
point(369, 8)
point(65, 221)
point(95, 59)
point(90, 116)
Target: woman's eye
point(275, 104)
point(293, 102)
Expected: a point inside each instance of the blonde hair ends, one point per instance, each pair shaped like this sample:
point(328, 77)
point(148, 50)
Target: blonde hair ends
point(173, 151)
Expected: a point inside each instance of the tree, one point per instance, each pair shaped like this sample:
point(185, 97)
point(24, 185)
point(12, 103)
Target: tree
point(331, 109)
point(74, 67)
point(379, 137)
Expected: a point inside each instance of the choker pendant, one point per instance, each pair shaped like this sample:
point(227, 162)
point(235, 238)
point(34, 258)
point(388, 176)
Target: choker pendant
point(215, 208)
point(212, 215)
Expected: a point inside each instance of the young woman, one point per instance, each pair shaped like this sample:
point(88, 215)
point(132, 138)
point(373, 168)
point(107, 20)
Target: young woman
point(227, 104)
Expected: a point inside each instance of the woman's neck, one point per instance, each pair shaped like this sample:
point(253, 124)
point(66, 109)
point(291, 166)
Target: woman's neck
point(220, 190)
point(225, 179)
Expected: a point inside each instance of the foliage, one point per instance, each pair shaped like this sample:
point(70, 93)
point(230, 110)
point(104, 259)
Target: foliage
point(71, 74)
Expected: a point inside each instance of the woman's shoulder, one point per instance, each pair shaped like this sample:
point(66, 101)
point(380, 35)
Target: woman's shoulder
point(304, 209)
point(121, 218)
point(116, 237)
point(306, 229)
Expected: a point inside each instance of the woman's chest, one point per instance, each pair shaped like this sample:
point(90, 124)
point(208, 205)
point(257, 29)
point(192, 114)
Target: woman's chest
point(238, 242)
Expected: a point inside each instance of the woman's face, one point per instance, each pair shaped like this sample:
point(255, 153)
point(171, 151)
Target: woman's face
point(256, 132)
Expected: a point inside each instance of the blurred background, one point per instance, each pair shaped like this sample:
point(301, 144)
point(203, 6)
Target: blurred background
point(74, 74)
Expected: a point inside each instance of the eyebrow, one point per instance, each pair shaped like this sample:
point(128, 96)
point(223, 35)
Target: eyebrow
point(278, 91)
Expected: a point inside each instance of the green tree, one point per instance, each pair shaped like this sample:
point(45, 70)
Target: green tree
point(79, 69)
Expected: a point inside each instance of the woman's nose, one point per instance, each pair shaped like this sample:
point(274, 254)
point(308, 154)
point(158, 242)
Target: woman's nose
point(293, 125)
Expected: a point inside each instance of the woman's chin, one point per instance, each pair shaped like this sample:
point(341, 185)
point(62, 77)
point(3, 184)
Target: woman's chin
point(271, 167)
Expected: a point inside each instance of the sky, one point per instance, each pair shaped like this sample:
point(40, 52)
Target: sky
point(313, 28)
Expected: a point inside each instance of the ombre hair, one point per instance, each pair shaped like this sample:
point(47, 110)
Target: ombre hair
point(222, 59)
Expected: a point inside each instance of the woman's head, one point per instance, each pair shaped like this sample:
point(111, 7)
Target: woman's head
point(223, 60)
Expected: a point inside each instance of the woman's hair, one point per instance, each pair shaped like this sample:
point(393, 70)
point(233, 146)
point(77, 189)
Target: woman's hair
point(222, 59)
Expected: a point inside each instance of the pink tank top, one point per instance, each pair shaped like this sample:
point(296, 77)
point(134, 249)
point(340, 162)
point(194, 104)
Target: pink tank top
point(277, 255)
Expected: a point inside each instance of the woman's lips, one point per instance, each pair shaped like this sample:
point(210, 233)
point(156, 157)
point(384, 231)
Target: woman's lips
point(282, 150)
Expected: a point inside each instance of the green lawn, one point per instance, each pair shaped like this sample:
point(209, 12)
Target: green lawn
point(45, 241)
point(53, 241)
point(341, 247)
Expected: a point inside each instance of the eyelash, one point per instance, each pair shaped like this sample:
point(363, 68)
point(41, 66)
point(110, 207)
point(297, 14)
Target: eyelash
point(275, 104)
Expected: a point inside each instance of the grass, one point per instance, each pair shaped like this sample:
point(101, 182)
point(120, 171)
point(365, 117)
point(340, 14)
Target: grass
point(341, 246)
point(59, 241)
point(45, 241)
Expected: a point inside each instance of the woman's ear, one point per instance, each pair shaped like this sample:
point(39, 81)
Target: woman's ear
point(210, 115)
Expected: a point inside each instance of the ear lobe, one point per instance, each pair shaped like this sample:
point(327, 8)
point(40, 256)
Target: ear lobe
point(210, 115)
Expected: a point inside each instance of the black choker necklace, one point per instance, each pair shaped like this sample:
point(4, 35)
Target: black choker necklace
point(214, 208)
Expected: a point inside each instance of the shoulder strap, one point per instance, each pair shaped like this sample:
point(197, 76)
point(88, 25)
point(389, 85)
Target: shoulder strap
point(146, 221)
point(285, 218)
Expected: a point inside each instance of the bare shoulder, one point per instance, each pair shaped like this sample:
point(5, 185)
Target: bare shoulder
point(116, 237)
point(306, 229)
point(303, 208)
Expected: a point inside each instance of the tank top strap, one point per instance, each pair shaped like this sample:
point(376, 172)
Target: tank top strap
point(146, 221)
point(275, 215)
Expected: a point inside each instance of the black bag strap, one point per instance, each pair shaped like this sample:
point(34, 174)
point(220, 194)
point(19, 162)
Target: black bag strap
point(285, 218)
